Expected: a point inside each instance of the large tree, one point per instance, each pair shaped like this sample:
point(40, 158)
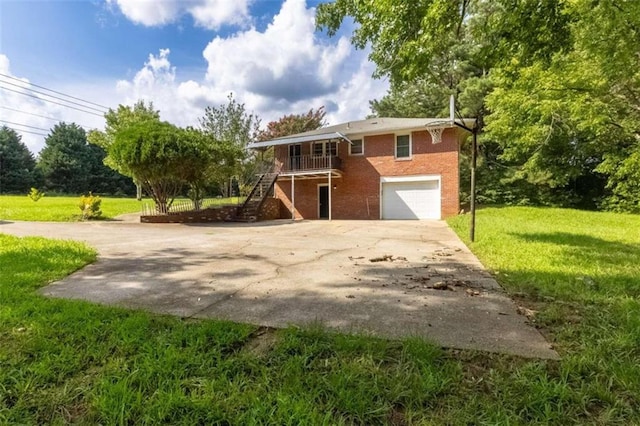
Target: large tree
point(104, 179)
point(229, 129)
point(120, 118)
point(159, 155)
point(117, 120)
point(70, 165)
point(17, 164)
point(574, 120)
point(63, 161)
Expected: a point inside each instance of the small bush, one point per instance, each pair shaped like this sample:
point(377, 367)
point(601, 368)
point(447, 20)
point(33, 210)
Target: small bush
point(35, 194)
point(90, 206)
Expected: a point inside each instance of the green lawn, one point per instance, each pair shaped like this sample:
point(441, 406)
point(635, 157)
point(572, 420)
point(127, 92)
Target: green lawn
point(67, 361)
point(65, 209)
point(581, 271)
point(60, 209)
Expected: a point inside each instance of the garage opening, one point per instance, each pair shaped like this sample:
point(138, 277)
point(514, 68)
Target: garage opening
point(410, 197)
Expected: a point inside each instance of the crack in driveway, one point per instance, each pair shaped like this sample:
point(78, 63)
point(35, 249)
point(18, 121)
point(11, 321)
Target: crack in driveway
point(262, 275)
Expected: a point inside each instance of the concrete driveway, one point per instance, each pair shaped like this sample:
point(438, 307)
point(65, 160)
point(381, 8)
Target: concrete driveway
point(386, 278)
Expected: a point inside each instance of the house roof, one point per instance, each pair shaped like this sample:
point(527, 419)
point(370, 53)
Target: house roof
point(300, 137)
point(354, 129)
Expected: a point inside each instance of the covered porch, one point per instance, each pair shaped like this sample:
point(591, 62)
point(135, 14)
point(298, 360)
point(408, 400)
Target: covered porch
point(314, 190)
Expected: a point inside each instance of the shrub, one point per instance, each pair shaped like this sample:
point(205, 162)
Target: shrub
point(90, 206)
point(35, 194)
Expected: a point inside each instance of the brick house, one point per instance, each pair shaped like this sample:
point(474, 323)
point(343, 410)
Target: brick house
point(379, 168)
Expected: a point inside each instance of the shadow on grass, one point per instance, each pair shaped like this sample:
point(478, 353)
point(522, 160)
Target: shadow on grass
point(578, 243)
point(600, 267)
point(42, 259)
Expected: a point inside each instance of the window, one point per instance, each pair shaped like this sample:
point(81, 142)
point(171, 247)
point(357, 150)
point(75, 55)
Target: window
point(403, 146)
point(322, 149)
point(356, 147)
point(331, 148)
point(317, 149)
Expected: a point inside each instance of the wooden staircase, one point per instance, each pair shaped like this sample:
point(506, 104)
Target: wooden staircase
point(249, 211)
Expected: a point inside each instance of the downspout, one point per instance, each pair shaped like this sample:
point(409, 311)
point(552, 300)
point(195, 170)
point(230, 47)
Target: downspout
point(330, 191)
point(293, 198)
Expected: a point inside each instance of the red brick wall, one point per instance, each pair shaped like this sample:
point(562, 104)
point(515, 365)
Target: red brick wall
point(271, 209)
point(357, 192)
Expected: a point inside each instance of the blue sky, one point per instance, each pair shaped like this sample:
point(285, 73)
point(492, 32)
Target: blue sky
point(181, 54)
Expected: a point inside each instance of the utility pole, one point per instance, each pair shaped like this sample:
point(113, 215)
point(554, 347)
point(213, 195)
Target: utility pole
point(474, 160)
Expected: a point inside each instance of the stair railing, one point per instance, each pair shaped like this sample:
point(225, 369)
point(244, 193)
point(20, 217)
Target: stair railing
point(271, 172)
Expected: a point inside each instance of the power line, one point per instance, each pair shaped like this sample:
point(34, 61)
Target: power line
point(54, 97)
point(54, 91)
point(26, 131)
point(42, 116)
point(23, 125)
point(53, 102)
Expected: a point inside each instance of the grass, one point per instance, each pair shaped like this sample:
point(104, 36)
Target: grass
point(581, 271)
point(65, 209)
point(60, 209)
point(68, 361)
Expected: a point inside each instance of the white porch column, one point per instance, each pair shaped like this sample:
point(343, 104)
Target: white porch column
point(293, 198)
point(330, 191)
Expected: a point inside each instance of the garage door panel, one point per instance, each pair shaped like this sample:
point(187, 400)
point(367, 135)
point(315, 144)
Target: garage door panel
point(411, 200)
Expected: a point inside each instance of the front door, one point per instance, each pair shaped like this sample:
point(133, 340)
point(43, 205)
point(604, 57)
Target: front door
point(323, 201)
point(294, 156)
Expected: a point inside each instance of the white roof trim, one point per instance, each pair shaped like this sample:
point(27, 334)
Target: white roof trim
point(299, 139)
point(413, 178)
point(370, 126)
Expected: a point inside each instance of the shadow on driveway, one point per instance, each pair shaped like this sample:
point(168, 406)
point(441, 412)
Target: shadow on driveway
point(427, 284)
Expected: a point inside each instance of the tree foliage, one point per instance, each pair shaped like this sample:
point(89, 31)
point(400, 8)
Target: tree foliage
point(228, 129)
point(118, 119)
point(17, 164)
point(293, 123)
point(159, 155)
point(63, 160)
point(70, 165)
point(578, 113)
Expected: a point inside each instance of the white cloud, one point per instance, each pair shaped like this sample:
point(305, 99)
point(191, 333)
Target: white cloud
point(285, 69)
point(216, 13)
point(149, 12)
point(285, 62)
point(180, 103)
point(4, 64)
point(211, 14)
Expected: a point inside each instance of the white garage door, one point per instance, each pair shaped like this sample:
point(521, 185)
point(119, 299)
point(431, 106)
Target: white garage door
point(411, 199)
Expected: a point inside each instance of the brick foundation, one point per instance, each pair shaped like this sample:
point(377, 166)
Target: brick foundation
point(270, 210)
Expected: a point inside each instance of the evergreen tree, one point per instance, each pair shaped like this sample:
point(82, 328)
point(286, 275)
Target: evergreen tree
point(17, 164)
point(69, 165)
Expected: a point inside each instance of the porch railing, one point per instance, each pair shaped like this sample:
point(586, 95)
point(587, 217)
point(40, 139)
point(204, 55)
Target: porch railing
point(301, 163)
